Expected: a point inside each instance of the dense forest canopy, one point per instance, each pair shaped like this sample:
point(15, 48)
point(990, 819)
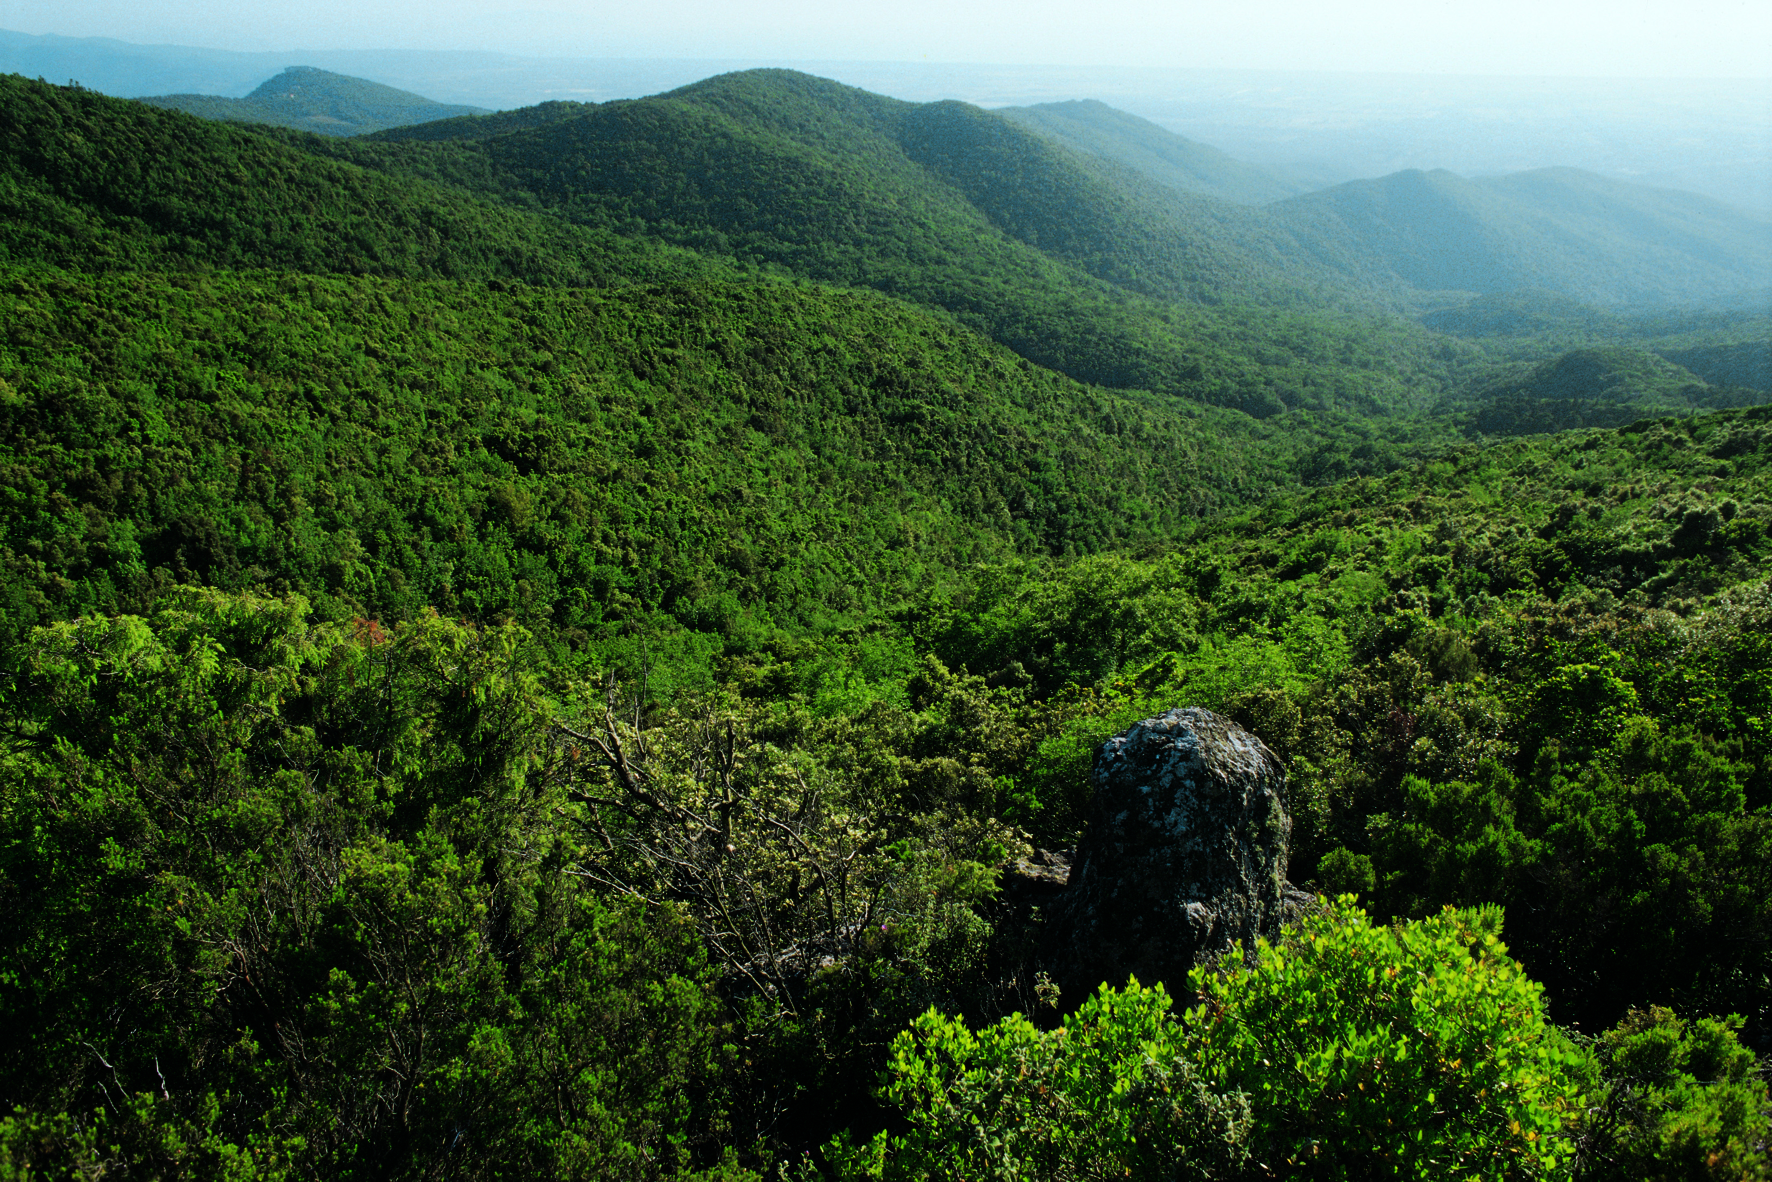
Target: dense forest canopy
point(533, 646)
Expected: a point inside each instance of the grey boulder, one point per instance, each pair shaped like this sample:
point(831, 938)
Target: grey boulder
point(1184, 855)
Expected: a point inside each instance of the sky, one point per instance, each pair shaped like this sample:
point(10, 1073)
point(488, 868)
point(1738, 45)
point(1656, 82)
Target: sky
point(1579, 38)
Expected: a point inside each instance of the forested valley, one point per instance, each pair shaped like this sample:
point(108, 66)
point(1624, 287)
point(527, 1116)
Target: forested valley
point(537, 645)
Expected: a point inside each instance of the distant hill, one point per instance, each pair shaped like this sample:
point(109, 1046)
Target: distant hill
point(1597, 386)
point(1748, 363)
point(1160, 154)
point(1557, 230)
point(311, 99)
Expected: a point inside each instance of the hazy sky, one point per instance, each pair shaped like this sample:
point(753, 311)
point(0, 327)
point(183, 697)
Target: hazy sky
point(1697, 38)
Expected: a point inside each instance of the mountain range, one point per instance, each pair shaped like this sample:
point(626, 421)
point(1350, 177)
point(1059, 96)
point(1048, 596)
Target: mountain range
point(1145, 209)
point(1701, 135)
point(1075, 252)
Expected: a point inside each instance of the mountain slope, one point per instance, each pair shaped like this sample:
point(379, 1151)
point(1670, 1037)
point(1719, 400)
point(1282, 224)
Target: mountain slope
point(317, 100)
point(484, 126)
point(1558, 230)
point(1169, 159)
point(1075, 262)
point(713, 451)
point(101, 184)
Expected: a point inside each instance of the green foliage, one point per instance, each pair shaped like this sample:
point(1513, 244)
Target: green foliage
point(798, 612)
point(1111, 1094)
point(1684, 1100)
point(1419, 1051)
point(293, 892)
point(1345, 872)
point(664, 471)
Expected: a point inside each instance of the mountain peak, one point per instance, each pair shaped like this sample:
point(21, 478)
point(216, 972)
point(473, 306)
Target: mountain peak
point(312, 99)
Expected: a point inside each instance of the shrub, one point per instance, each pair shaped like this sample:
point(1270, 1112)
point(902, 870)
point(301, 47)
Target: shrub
point(1683, 1101)
point(1415, 1051)
point(1109, 1095)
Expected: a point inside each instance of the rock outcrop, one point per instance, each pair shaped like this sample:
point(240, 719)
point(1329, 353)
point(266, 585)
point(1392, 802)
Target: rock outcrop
point(1184, 855)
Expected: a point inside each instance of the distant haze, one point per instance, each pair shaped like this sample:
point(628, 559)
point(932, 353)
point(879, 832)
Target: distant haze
point(1710, 136)
point(1588, 38)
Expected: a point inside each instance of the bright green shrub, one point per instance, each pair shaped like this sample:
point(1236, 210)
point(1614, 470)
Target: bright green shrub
point(1418, 1051)
point(1347, 1051)
point(1110, 1095)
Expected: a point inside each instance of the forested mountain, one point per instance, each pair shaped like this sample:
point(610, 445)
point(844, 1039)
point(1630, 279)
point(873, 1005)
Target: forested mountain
point(100, 184)
point(1555, 230)
point(81, 205)
point(318, 101)
point(479, 127)
point(545, 651)
point(1160, 154)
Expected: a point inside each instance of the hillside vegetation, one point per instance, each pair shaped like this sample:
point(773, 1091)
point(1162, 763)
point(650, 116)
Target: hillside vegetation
point(503, 674)
point(100, 184)
point(733, 457)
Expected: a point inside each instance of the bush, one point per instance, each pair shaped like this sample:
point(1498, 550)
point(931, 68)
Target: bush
point(1347, 1051)
point(1110, 1095)
point(1683, 1101)
point(1417, 1051)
